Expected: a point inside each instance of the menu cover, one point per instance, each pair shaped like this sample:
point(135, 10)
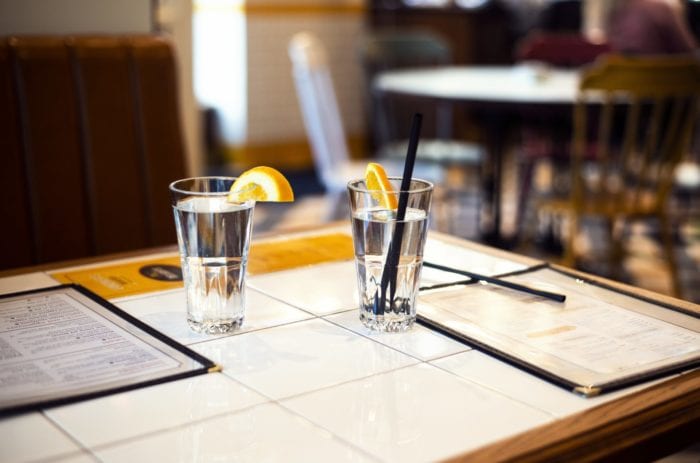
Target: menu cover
point(598, 340)
point(64, 344)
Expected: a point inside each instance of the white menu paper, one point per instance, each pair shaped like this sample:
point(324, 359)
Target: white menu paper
point(598, 339)
point(61, 343)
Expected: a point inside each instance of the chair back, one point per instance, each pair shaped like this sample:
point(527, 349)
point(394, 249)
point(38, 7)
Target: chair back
point(398, 48)
point(319, 107)
point(391, 49)
point(90, 135)
point(632, 126)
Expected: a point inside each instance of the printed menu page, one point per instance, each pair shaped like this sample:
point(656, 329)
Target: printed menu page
point(61, 344)
point(596, 340)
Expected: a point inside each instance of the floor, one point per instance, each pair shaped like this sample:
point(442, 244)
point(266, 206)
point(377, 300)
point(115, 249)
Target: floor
point(643, 267)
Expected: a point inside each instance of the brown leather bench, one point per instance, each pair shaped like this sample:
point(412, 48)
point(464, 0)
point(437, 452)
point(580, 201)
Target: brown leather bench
point(90, 138)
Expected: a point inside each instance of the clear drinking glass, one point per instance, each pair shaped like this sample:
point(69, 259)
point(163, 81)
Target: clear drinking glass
point(388, 302)
point(214, 238)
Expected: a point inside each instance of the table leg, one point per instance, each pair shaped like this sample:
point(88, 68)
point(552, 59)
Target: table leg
point(497, 129)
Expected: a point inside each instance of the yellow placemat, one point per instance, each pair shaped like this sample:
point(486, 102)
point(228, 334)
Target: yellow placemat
point(145, 276)
point(297, 252)
point(127, 279)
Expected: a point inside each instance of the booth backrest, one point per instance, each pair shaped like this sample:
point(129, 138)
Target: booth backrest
point(90, 138)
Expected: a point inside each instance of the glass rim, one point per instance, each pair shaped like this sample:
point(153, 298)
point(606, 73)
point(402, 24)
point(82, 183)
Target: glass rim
point(428, 186)
point(176, 189)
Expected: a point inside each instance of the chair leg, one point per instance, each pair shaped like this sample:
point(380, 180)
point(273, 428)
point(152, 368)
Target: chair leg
point(616, 255)
point(669, 249)
point(336, 206)
point(525, 186)
point(569, 258)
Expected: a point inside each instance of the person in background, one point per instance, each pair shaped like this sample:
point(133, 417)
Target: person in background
point(649, 27)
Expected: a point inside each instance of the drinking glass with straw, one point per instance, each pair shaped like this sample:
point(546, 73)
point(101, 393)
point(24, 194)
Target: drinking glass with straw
point(389, 228)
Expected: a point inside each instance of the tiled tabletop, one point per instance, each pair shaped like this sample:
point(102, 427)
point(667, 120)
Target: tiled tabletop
point(302, 381)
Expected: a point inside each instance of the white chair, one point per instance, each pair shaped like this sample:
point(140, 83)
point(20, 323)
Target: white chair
point(323, 123)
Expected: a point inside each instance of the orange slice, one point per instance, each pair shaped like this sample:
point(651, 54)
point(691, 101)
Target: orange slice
point(261, 183)
point(380, 187)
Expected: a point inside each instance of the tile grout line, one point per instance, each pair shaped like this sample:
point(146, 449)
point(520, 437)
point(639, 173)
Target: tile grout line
point(279, 402)
point(82, 448)
point(386, 345)
point(496, 391)
point(268, 401)
point(430, 362)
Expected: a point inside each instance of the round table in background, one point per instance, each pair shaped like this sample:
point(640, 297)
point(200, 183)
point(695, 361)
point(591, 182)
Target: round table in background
point(502, 94)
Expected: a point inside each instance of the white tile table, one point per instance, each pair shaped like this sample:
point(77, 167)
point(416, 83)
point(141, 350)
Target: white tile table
point(305, 381)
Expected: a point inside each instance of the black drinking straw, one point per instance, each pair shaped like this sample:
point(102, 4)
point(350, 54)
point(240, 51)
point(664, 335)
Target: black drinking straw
point(392, 259)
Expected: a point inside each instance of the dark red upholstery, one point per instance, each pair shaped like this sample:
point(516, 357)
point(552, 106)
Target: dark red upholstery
point(560, 49)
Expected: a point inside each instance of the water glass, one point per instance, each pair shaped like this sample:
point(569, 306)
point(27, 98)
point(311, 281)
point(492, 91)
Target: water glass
point(213, 236)
point(387, 292)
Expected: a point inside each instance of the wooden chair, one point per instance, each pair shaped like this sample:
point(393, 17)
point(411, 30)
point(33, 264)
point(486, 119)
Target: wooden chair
point(633, 122)
point(324, 126)
point(90, 139)
point(390, 49)
point(389, 116)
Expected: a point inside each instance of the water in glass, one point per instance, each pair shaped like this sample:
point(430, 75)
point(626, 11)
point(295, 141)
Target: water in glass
point(214, 237)
point(372, 234)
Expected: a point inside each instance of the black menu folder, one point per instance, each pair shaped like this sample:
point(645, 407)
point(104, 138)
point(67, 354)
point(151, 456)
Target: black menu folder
point(601, 339)
point(64, 344)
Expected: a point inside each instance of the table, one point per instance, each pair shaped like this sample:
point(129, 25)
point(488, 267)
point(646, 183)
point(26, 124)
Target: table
point(499, 92)
point(303, 381)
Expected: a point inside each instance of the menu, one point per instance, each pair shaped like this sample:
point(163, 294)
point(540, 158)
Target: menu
point(598, 340)
point(63, 344)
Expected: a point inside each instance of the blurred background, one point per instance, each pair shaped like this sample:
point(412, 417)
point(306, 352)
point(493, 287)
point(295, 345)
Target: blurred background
point(239, 104)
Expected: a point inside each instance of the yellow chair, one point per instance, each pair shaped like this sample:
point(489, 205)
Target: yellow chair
point(633, 121)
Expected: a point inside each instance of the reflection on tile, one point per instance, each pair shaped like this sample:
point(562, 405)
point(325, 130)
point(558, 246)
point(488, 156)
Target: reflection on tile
point(419, 341)
point(150, 409)
point(513, 382)
point(263, 433)
point(75, 458)
point(31, 437)
point(419, 413)
point(167, 313)
point(522, 386)
point(300, 288)
point(459, 257)
point(301, 357)
point(430, 276)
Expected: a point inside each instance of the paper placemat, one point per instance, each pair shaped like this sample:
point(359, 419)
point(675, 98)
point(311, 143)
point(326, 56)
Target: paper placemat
point(144, 276)
point(126, 279)
point(289, 253)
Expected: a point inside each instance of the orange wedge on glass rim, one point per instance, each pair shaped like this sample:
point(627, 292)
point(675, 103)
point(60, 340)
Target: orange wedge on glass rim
point(261, 183)
point(380, 187)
